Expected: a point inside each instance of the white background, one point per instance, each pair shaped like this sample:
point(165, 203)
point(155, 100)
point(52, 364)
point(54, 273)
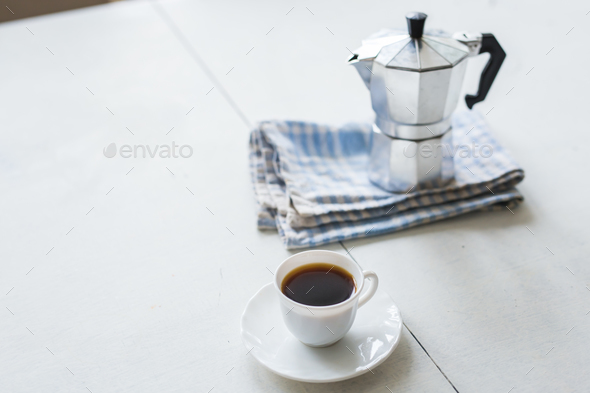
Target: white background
point(146, 291)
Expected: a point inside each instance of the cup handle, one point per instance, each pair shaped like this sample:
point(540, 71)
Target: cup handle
point(374, 283)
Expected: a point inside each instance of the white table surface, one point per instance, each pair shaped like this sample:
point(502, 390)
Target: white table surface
point(142, 289)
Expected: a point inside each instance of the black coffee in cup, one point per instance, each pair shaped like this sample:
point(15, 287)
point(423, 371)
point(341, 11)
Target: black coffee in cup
point(318, 284)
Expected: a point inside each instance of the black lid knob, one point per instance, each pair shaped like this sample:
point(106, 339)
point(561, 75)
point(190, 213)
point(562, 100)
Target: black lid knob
point(416, 23)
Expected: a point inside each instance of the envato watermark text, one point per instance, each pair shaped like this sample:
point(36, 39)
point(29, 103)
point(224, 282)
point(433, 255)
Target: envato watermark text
point(147, 151)
point(432, 150)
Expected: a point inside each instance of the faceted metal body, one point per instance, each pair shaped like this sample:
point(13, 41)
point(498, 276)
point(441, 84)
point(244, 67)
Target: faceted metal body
point(401, 165)
point(420, 99)
point(415, 85)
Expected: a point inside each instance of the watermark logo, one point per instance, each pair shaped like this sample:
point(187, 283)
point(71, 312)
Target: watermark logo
point(110, 151)
point(428, 150)
point(147, 151)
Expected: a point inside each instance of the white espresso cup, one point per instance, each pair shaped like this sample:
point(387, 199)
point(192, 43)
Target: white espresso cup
point(321, 326)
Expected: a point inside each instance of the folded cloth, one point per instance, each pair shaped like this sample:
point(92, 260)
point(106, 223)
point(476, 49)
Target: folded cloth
point(311, 182)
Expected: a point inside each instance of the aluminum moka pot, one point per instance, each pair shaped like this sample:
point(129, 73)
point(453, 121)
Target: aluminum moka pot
point(415, 80)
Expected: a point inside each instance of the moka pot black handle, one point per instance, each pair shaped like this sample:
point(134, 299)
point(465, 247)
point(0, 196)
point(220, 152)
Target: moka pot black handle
point(490, 45)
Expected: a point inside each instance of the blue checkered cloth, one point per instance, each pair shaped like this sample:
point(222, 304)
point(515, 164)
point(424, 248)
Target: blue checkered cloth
point(312, 186)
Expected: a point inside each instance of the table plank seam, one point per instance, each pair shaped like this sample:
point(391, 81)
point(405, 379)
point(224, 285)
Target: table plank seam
point(348, 252)
point(183, 40)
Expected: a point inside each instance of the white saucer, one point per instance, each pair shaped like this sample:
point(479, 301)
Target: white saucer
point(372, 338)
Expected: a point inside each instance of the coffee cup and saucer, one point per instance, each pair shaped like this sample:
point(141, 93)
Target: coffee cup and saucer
point(322, 319)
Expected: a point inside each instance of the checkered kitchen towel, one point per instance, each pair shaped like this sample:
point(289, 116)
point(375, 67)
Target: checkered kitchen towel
point(311, 182)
